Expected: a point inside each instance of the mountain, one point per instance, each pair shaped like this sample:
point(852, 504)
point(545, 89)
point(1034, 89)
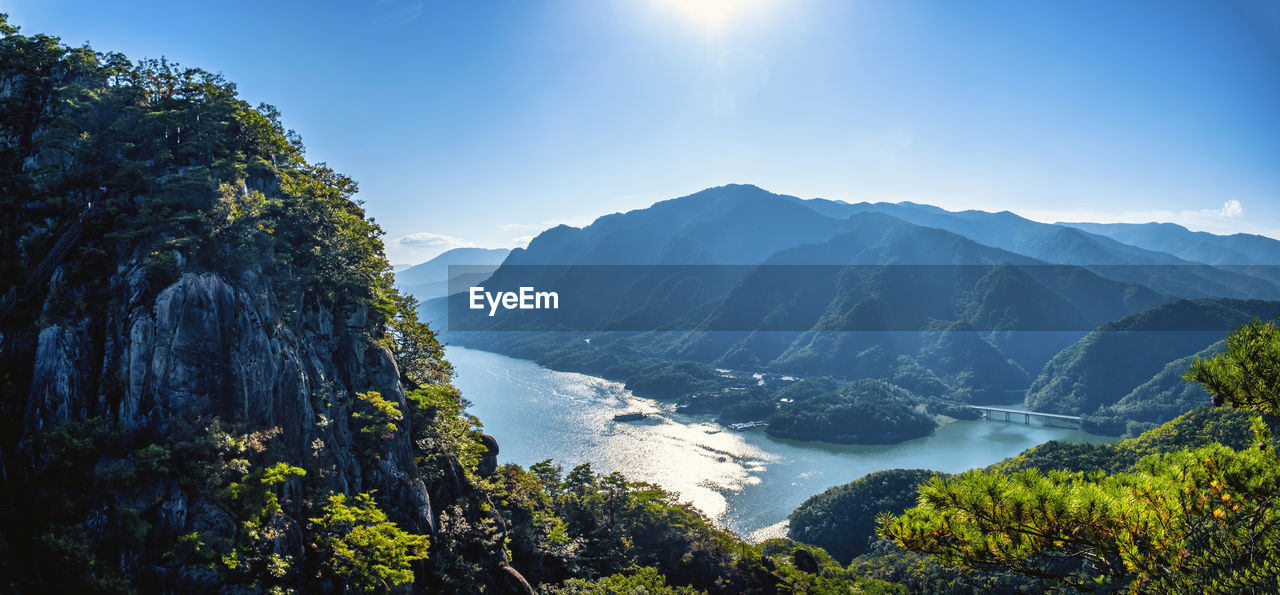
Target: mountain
point(1061, 244)
point(431, 279)
point(1008, 231)
point(1114, 360)
point(1166, 395)
point(727, 225)
point(978, 286)
point(936, 295)
point(942, 300)
point(1195, 246)
point(909, 276)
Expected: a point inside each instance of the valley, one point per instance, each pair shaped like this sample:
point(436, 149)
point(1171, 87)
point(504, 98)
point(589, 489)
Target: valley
point(746, 481)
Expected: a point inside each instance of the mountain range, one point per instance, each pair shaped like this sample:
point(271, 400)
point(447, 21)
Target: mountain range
point(990, 304)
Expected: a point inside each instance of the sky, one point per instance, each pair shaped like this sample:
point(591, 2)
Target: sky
point(483, 123)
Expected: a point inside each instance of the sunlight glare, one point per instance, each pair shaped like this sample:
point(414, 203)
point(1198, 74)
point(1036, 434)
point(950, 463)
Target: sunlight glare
point(710, 14)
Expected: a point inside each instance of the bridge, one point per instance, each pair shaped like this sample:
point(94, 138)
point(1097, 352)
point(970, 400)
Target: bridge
point(1010, 415)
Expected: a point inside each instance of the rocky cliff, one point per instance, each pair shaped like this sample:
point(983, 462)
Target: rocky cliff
point(215, 386)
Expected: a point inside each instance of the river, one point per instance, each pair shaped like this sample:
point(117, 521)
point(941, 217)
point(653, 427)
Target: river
point(747, 482)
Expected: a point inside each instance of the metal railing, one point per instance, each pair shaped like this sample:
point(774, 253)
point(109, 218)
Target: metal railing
point(41, 273)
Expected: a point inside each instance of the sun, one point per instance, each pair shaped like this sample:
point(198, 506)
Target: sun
point(711, 14)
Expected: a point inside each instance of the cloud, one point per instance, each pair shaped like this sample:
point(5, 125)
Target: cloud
point(521, 242)
point(421, 246)
point(1231, 208)
point(426, 239)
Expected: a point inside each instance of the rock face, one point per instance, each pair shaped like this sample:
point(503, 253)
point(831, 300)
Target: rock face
point(207, 347)
point(193, 367)
point(489, 462)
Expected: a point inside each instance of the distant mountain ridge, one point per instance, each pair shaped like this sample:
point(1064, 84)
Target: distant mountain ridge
point(977, 286)
point(1008, 231)
point(1198, 246)
point(983, 276)
point(1063, 244)
point(733, 224)
point(431, 279)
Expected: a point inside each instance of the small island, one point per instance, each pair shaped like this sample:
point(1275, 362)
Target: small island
point(630, 416)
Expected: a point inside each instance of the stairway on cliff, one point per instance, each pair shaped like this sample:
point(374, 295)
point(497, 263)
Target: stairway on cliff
point(39, 275)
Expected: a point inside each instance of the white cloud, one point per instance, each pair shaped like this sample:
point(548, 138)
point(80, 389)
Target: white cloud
point(426, 239)
point(422, 246)
point(521, 242)
point(1231, 208)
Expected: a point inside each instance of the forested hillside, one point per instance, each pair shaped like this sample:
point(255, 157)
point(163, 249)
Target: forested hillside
point(1108, 365)
point(212, 384)
point(1185, 517)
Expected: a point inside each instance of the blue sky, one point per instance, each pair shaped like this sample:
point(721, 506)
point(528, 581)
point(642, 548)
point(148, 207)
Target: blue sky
point(482, 123)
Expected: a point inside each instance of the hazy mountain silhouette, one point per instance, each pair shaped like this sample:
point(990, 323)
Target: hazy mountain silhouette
point(1197, 246)
point(928, 293)
point(734, 224)
point(431, 278)
point(1146, 264)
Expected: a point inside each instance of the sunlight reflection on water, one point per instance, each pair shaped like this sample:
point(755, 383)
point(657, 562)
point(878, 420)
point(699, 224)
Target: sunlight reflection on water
point(746, 481)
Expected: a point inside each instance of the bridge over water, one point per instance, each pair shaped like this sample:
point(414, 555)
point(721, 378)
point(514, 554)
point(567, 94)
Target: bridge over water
point(1010, 415)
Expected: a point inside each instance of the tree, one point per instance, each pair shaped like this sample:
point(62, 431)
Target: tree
point(1247, 374)
point(364, 549)
point(644, 580)
point(419, 354)
point(841, 520)
point(5, 27)
point(379, 416)
point(1206, 519)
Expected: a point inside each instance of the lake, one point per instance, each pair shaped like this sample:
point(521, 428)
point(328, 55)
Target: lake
point(746, 481)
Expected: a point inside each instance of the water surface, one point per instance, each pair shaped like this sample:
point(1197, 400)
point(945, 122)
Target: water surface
point(747, 481)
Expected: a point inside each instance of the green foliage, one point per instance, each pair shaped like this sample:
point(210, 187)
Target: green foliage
point(1202, 519)
point(1205, 519)
point(184, 176)
point(863, 412)
point(1247, 375)
point(5, 27)
point(842, 519)
point(920, 573)
point(917, 378)
point(616, 536)
point(442, 432)
point(673, 380)
point(376, 415)
point(91, 478)
point(1193, 429)
point(1164, 397)
point(362, 548)
point(419, 354)
point(584, 524)
point(645, 580)
point(180, 170)
point(1114, 360)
